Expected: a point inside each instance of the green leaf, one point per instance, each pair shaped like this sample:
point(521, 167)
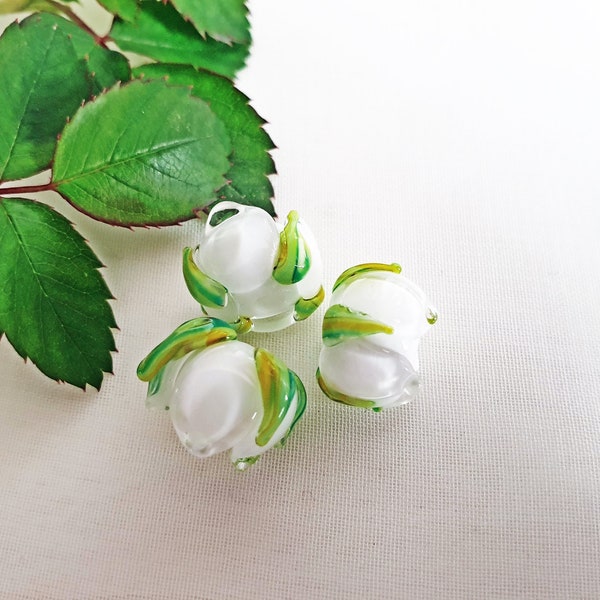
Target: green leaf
point(104, 67)
point(48, 66)
point(160, 32)
point(224, 20)
point(251, 161)
point(13, 6)
point(53, 300)
point(42, 82)
point(126, 9)
point(142, 154)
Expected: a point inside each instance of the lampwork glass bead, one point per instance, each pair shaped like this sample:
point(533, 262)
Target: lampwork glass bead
point(249, 269)
point(222, 394)
point(371, 333)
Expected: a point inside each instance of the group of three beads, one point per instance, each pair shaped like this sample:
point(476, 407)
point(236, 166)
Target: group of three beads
point(250, 273)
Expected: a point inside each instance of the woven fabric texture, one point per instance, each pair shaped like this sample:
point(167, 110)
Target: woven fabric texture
point(460, 139)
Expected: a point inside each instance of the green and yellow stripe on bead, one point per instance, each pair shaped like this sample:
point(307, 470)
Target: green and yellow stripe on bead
point(204, 289)
point(365, 268)
point(195, 334)
point(300, 404)
point(344, 398)
point(293, 262)
point(278, 387)
point(307, 306)
point(342, 323)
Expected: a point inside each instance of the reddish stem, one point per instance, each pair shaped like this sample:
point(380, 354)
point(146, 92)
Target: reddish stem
point(65, 10)
point(27, 189)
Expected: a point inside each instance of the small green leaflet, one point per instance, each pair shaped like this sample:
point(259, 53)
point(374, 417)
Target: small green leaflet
point(223, 20)
point(13, 6)
point(42, 82)
point(251, 161)
point(46, 66)
point(126, 9)
point(160, 32)
point(53, 300)
point(142, 154)
point(104, 67)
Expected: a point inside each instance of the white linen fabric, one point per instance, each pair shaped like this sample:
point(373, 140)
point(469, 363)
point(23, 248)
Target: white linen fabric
point(460, 139)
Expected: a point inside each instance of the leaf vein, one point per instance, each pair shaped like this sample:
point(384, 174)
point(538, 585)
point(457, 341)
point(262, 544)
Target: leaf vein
point(29, 260)
point(105, 167)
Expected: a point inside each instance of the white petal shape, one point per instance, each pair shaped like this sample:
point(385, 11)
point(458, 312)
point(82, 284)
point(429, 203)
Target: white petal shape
point(270, 299)
point(359, 369)
point(215, 400)
point(247, 446)
point(241, 251)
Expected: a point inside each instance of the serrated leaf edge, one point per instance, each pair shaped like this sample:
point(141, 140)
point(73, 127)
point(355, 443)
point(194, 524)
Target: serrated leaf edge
point(229, 41)
point(123, 224)
point(140, 76)
point(25, 356)
point(118, 19)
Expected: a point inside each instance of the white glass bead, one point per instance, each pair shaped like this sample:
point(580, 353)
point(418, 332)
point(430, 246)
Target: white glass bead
point(222, 394)
point(242, 254)
point(371, 334)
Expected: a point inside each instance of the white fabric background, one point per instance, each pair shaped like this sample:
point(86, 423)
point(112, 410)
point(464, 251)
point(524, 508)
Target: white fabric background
point(461, 139)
